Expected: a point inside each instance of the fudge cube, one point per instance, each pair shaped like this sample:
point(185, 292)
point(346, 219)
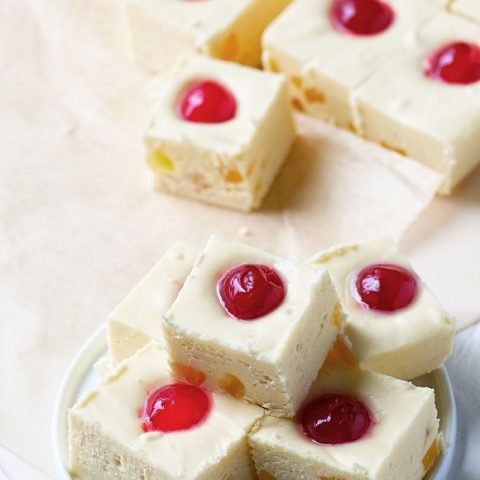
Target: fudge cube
point(393, 322)
point(325, 61)
point(467, 8)
point(137, 319)
point(162, 29)
point(404, 107)
point(253, 325)
point(219, 132)
point(355, 425)
point(142, 423)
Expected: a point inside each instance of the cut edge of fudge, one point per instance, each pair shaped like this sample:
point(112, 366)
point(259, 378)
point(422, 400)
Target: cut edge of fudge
point(278, 459)
point(397, 126)
point(429, 352)
point(317, 90)
point(470, 9)
point(237, 168)
point(277, 381)
point(94, 448)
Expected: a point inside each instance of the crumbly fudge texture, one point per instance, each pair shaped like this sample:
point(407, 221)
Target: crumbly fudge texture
point(160, 30)
point(270, 361)
point(404, 344)
point(137, 319)
point(402, 443)
point(106, 439)
point(234, 163)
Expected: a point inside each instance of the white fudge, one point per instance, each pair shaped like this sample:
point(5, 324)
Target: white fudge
point(233, 163)
point(137, 319)
point(106, 439)
point(431, 121)
point(401, 445)
point(325, 66)
point(468, 8)
point(270, 361)
point(161, 29)
point(405, 343)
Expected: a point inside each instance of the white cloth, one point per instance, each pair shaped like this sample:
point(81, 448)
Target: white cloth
point(13, 467)
point(463, 368)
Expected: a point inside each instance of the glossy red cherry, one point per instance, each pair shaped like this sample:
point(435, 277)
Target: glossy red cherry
point(250, 291)
point(457, 63)
point(207, 101)
point(361, 17)
point(385, 287)
point(332, 419)
point(174, 407)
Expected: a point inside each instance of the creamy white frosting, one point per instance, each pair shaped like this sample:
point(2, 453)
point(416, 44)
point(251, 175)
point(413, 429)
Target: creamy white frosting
point(405, 427)
point(272, 360)
point(406, 343)
point(112, 410)
point(137, 319)
point(255, 92)
point(198, 312)
point(232, 163)
point(434, 122)
point(303, 43)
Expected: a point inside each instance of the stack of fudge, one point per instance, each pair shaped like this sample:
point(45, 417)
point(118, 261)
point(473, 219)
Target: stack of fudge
point(230, 363)
point(402, 73)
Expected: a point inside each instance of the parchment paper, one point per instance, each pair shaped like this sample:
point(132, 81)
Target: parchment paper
point(80, 224)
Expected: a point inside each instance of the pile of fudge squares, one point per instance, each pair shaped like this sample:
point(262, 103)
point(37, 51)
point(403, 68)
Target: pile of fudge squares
point(231, 363)
point(402, 73)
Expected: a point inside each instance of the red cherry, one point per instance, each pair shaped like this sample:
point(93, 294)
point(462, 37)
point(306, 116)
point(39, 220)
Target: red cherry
point(174, 407)
point(385, 288)
point(457, 62)
point(248, 291)
point(361, 17)
point(333, 418)
point(207, 101)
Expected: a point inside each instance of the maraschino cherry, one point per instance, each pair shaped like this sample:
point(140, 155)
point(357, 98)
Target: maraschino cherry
point(333, 418)
point(174, 407)
point(385, 287)
point(207, 101)
point(361, 17)
point(250, 291)
point(457, 63)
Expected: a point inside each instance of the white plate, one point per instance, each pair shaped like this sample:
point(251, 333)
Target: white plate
point(81, 377)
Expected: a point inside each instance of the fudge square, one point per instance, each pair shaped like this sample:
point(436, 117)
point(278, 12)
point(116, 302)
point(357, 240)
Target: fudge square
point(137, 319)
point(219, 132)
point(143, 424)
point(356, 425)
point(253, 325)
point(218, 28)
point(426, 102)
point(326, 58)
point(393, 323)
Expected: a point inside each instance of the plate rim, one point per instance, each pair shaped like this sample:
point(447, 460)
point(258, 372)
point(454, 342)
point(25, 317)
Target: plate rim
point(68, 390)
point(96, 345)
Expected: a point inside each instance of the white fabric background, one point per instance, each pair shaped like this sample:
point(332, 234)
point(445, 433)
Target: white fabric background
point(463, 368)
point(79, 224)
